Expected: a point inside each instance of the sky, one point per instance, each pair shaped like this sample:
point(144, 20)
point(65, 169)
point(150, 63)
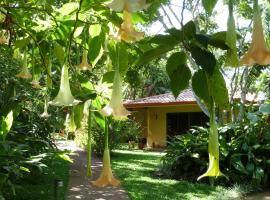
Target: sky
point(220, 18)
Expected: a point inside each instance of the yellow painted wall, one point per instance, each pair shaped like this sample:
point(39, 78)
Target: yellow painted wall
point(157, 122)
point(140, 116)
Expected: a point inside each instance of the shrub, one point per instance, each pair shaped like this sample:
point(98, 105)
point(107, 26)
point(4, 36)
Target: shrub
point(244, 153)
point(119, 132)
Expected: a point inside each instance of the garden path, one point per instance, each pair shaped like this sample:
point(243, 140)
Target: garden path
point(260, 196)
point(80, 185)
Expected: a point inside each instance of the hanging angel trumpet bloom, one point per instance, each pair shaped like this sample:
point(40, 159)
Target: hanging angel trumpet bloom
point(232, 57)
point(127, 32)
point(106, 177)
point(84, 64)
point(64, 96)
point(213, 150)
point(4, 39)
point(115, 106)
point(45, 112)
point(24, 70)
point(258, 52)
point(129, 5)
point(35, 82)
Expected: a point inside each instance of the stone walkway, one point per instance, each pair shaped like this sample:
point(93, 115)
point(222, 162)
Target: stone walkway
point(260, 196)
point(79, 184)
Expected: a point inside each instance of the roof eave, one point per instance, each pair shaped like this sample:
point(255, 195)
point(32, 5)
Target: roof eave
point(143, 105)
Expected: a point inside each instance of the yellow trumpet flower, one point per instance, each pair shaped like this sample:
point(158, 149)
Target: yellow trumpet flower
point(129, 5)
point(35, 82)
point(115, 106)
point(64, 96)
point(84, 65)
point(127, 31)
point(45, 113)
point(4, 40)
point(24, 70)
point(106, 176)
point(213, 150)
point(258, 52)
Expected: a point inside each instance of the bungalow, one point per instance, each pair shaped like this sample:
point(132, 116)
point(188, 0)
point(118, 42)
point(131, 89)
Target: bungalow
point(163, 116)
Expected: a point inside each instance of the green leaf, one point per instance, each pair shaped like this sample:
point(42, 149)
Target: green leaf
point(86, 5)
point(3, 178)
point(265, 108)
point(164, 40)
point(154, 54)
point(123, 58)
point(22, 43)
point(100, 120)
point(203, 39)
point(204, 59)
point(209, 5)
point(95, 30)
point(175, 61)
point(78, 31)
point(6, 125)
point(219, 40)
point(200, 86)
point(78, 114)
point(108, 77)
point(188, 31)
point(258, 174)
point(95, 48)
point(85, 82)
point(59, 53)
point(250, 168)
point(238, 165)
point(219, 90)
point(68, 8)
point(178, 72)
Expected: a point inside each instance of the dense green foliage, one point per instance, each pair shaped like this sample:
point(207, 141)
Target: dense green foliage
point(244, 153)
point(119, 132)
point(41, 184)
point(42, 36)
point(26, 146)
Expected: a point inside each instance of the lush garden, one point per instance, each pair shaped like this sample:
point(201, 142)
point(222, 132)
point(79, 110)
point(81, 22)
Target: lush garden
point(67, 65)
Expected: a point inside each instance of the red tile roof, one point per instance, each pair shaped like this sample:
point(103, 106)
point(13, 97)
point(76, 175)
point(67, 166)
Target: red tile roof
point(186, 97)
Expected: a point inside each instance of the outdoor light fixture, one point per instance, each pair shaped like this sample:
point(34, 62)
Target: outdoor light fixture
point(58, 183)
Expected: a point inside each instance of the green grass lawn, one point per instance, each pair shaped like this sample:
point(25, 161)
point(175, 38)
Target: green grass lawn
point(41, 186)
point(135, 168)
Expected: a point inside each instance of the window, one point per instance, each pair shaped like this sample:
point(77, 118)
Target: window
point(179, 123)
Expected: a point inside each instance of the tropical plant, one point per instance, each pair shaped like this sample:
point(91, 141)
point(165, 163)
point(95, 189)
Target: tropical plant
point(244, 149)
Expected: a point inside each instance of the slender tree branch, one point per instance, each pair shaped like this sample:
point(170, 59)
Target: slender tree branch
point(176, 17)
point(73, 31)
point(182, 13)
point(165, 12)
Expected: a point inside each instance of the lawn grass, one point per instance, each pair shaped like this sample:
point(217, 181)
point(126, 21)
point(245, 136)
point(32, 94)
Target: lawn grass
point(134, 169)
point(41, 186)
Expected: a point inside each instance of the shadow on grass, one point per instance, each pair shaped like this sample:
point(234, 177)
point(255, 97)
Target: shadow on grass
point(135, 172)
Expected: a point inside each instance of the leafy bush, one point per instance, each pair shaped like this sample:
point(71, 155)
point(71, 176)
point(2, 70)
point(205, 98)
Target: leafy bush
point(119, 132)
point(244, 153)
